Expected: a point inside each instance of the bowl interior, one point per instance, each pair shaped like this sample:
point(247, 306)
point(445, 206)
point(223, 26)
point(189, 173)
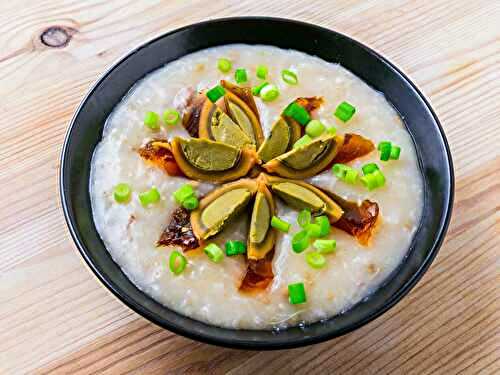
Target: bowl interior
point(432, 151)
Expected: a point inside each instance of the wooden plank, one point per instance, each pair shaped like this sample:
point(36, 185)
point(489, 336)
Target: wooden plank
point(55, 317)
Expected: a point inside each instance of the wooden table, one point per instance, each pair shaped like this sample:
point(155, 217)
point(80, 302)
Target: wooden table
point(54, 315)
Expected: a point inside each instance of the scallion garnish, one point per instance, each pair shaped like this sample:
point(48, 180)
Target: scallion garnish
point(345, 111)
point(215, 93)
point(224, 65)
point(214, 252)
point(345, 173)
point(240, 75)
point(331, 130)
point(395, 151)
point(279, 224)
point(302, 141)
point(269, 93)
point(257, 89)
point(369, 168)
point(171, 116)
point(122, 193)
point(298, 113)
point(184, 192)
point(261, 71)
point(190, 203)
point(300, 241)
point(315, 128)
point(380, 178)
point(297, 293)
point(289, 77)
point(235, 248)
point(177, 262)
point(315, 259)
point(385, 151)
point(149, 197)
point(324, 225)
point(304, 218)
point(151, 120)
point(373, 180)
point(325, 246)
point(313, 230)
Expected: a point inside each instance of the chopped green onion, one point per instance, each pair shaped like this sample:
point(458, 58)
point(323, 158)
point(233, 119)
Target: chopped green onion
point(315, 259)
point(279, 224)
point(324, 225)
point(369, 181)
point(240, 75)
point(313, 230)
point(351, 176)
point(331, 130)
point(214, 252)
point(257, 89)
point(345, 111)
point(215, 93)
point(369, 168)
point(171, 116)
point(235, 248)
point(122, 193)
point(298, 113)
point(380, 178)
point(385, 152)
point(261, 71)
point(325, 246)
point(304, 218)
point(269, 92)
point(296, 293)
point(289, 77)
point(151, 120)
point(315, 128)
point(383, 144)
point(300, 241)
point(224, 65)
point(339, 170)
point(345, 173)
point(184, 192)
point(190, 203)
point(302, 141)
point(177, 262)
point(149, 197)
point(395, 151)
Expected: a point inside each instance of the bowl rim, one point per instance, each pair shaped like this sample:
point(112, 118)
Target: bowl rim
point(250, 344)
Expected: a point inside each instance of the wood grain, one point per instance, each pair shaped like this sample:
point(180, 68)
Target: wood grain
point(55, 317)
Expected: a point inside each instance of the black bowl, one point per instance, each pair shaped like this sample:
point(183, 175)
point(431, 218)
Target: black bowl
point(431, 145)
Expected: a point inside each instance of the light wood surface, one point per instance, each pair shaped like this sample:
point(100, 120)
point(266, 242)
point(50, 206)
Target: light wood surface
point(54, 315)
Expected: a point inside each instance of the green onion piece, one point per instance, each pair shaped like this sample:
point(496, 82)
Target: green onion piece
point(289, 77)
point(177, 262)
point(269, 92)
point(385, 152)
point(261, 71)
point(313, 230)
point(214, 252)
point(298, 113)
point(351, 176)
point(279, 224)
point(340, 170)
point(395, 151)
point(235, 248)
point(380, 178)
point(224, 65)
point(331, 130)
point(345, 111)
point(149, 197)
point(304, 218)
point(302, 141)
point(151, 120)
point(369, 181)
point(240, 75)
point(171, 116)
point(257, 89)
point(383, 144)
point(315, 260)
point(190, 203)
point(325, 246)
point(296, 293)
point(369, 168)
point(122, 193)
point(324, 225)
point(184, 192)
point(215, 93)
point(300, 241)
point(315, 128)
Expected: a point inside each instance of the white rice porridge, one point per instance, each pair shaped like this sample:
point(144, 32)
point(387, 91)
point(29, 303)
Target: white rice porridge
point(208, 291)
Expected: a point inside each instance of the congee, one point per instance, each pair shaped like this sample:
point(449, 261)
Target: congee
point(252, 187)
